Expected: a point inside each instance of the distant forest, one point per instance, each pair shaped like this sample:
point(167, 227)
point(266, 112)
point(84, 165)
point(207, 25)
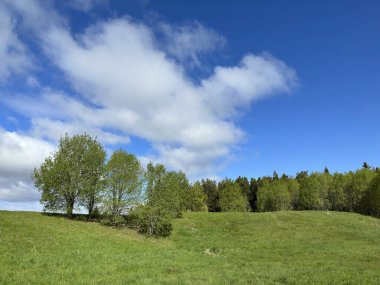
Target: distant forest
point(120, 192)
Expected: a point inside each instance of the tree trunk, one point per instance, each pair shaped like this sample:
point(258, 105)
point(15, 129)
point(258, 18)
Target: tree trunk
point(69, 208)
point(91, 204)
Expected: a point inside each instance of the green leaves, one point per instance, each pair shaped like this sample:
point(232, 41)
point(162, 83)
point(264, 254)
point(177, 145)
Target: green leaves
point(73, 172)
point(123, 180)
point(232, 199)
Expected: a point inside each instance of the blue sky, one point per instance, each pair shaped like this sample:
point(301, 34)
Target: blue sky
point(215, 88)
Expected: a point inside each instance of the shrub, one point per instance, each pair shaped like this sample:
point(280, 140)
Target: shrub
point(113, 221)
point(151, 221)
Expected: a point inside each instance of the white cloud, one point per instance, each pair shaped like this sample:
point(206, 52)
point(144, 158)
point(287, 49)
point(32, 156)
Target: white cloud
point(13, 53)
point(232, 88)
point(131, 84)
point(142, 92)
point(190, 42)
point(19, 155)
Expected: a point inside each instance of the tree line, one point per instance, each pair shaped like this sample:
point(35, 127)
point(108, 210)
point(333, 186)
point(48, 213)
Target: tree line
point(354, 191)
point(121, 192)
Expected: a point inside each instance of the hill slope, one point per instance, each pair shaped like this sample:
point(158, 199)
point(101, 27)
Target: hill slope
point(205, 248)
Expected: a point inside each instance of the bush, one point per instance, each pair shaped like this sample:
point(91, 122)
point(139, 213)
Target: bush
point(151, 221)
point(113, 221)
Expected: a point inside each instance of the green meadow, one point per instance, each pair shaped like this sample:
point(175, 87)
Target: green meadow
point(309, 247)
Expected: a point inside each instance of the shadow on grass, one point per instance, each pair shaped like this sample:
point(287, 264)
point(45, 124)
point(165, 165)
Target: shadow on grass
point(76, 217)
point(124, 221)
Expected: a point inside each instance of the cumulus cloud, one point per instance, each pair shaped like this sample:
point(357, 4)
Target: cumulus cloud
point(132, 80)
point(119, 66)
point(19, 155)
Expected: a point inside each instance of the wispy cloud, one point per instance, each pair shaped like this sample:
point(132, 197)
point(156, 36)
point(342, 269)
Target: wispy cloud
point(14, 58)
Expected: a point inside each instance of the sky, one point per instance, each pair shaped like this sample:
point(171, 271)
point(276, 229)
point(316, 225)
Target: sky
point(213, 88)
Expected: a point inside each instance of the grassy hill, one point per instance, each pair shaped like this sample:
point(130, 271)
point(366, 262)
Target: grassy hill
point(205, 248)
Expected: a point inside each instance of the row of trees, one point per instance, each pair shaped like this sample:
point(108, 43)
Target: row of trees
point(357, 191)
point(77, 176)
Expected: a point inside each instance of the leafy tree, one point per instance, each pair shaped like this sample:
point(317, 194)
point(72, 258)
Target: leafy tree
point(293, 189)
point(371, 199)
point(123, 183)
point(359, 184)
point(167, 190)
point(244, 185)
point(153, 176)
point(262, 181)
point(93, 171)
point(71, 173)
point(313, 193)
point(274, 197)
point(211, 190)
point(197, 199)
point(224, 183)
point(284, 177)
point(301, 175)
point(336, 193)
point(231, 198)
point(245, 189)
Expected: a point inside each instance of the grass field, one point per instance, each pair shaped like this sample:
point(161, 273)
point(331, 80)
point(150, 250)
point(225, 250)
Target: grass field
point(205, 248)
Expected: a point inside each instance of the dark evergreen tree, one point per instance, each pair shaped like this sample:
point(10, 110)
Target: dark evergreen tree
point(252, 196)
point(211, 190)
point(366, 166)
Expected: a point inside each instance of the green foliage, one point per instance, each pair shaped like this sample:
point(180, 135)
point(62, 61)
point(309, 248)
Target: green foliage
point(113, 221)
point(336, 193)
point(153, 176)
point(360, 181)
point(245, 188)
point(313, 194)
point(73, 172)
point(211, 190)
point(152, 221)
point(274, 196)
point(75, 175)
point(371, 199)
point(93, 171)
point(197, 199)
point(232, 199)
point(124, 178)
point(293, 189)
point(167, 190)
